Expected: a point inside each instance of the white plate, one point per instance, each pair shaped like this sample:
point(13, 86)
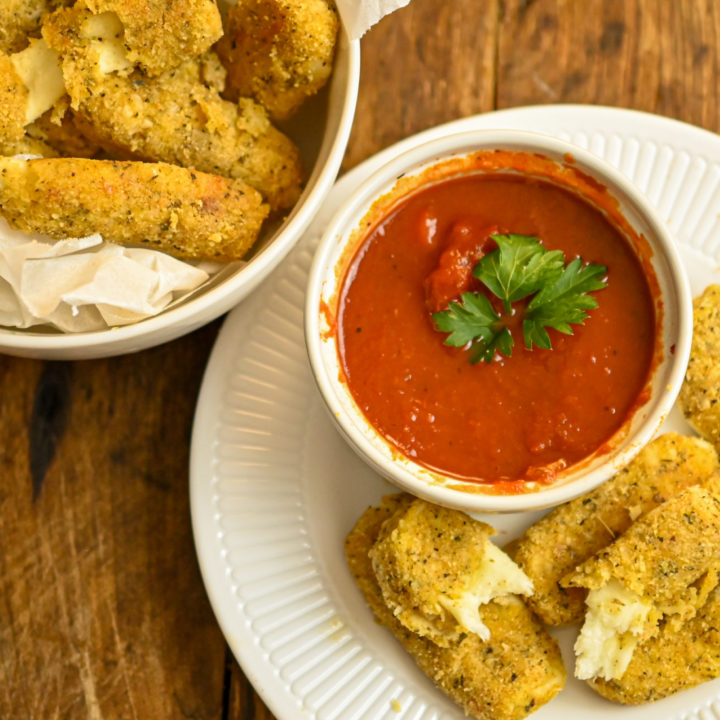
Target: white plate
point(274, 488)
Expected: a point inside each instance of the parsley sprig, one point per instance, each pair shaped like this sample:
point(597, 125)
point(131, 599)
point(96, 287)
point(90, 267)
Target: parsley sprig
point(518, 268)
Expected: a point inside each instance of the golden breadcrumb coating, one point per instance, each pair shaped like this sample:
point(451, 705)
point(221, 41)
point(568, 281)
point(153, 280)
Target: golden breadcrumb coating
point(13, 102)
point(513, 674)
point(664, 556)
point(573, 532)
point(676, 659)
point(161, 34)
point(185, 213)
point(700, 392)
point(21, 20)
point(177, 117)
point(425, 555)
point(279, 52)
point(28, 145)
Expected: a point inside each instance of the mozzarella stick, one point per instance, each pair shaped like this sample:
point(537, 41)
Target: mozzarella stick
point(657, 570)
point(279, 52)
point(436, 567)
point(516, 671)
point(700, 392)
point(161, 34)
point(677, 658)
point(177, 117)
point(187, 214)
point(573, 532)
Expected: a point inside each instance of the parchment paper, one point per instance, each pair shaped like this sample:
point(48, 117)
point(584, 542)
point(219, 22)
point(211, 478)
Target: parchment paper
point(359, 16)
point(83, 284)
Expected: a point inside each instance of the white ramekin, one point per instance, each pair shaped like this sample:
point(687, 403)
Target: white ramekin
point(326, 275)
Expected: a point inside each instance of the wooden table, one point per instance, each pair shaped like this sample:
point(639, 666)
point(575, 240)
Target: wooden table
point(102, 610)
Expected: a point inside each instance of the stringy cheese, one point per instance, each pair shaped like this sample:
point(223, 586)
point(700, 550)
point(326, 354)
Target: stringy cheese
point(498, 576)
point(614, 621)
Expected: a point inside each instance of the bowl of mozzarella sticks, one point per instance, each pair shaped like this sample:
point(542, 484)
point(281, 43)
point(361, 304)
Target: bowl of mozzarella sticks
point(158, 160)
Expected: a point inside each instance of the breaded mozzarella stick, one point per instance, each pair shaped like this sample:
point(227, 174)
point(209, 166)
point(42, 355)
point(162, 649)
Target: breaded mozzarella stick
point(437, 569)
point(654, 571)
point(573, 532)
point(177, 117)
point(161, 34)
point(676, 659)
point(700, 392)
point(185, 213)
point(515, 672)
point(279, 52)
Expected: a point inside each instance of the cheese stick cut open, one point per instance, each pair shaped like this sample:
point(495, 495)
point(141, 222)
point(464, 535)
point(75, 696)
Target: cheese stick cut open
point(661, 568)
point(185, 213)
point(161, 34)
point(575, 531)
point(512, 674)
point(677, 658)
point(436, 567)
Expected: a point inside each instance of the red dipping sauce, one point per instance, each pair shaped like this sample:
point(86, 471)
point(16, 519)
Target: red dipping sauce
point(522, 418)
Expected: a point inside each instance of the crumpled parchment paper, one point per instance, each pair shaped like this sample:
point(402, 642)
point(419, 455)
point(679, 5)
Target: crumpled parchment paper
point(83, 284)
point(359, 16)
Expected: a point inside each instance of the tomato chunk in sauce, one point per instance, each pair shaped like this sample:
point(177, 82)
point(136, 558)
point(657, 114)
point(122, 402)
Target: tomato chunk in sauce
point(524, 417)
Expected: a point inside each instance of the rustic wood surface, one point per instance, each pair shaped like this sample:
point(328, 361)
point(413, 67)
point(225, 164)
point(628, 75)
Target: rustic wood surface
point(102, 610)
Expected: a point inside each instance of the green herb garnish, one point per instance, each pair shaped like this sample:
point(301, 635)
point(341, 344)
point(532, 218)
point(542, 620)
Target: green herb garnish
point(520, 267)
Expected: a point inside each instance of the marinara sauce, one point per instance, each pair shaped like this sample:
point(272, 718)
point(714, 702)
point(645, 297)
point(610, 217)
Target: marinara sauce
point(524, 417)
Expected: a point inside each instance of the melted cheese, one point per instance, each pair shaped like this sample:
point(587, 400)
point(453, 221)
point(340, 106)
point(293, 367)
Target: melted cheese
point(39, 69)
point(106, 33)
point(615, 619)
point(498, 576)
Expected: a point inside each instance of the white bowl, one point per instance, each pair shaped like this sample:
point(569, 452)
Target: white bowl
point(337, 247)
point(321, 130)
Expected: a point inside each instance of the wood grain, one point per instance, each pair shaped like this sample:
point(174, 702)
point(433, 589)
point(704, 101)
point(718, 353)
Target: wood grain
point(657, 56)
point(102, 609)
point(426, 64)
